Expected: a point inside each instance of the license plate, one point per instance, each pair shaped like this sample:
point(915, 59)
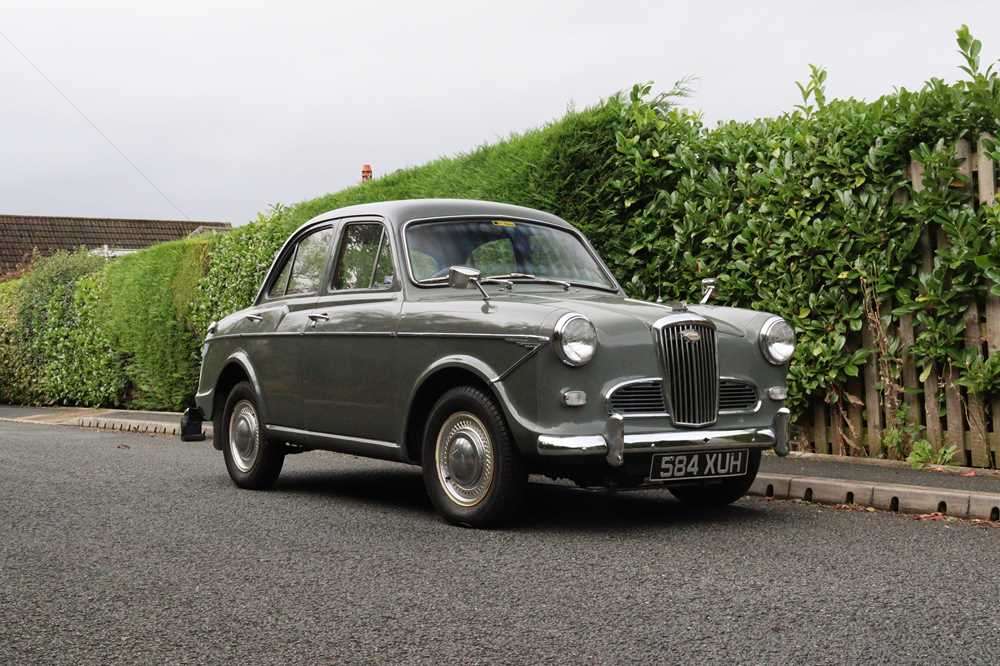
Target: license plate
point(690, 465)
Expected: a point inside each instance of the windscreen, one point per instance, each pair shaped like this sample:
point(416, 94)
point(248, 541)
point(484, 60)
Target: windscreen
point(501, 247)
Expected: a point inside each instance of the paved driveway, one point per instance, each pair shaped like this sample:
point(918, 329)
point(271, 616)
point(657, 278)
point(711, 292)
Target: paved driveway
point(131, 548)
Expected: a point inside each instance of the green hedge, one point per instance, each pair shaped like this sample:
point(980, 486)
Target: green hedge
point(794, 214)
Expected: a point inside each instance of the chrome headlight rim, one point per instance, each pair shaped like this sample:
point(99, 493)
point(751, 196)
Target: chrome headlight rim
point(766, 342)
point(559, 338)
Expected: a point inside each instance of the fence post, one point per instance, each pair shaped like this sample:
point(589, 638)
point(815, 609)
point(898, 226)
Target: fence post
point(987, 195)
point(932, 405)
point(873, 399)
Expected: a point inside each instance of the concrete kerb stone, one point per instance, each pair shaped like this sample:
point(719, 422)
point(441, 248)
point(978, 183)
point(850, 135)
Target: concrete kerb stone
point(831, 491)
point(885, 496)
point(771, 485)
point(984, 506)
point(911, 499)
point(128, 425)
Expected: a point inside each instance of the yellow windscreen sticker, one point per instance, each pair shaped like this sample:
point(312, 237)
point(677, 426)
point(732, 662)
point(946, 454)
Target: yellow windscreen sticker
point(504, 223)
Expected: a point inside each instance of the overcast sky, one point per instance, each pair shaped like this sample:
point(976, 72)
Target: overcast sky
point(230, 108)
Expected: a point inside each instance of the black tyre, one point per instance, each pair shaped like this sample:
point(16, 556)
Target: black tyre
point(723, 492)
point(254, 462)
point(472, 469)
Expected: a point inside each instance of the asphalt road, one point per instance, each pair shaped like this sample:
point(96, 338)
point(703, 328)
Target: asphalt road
point(130, 548)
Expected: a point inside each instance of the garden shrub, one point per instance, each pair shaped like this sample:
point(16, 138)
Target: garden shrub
point(146, 299)
point(798, 214)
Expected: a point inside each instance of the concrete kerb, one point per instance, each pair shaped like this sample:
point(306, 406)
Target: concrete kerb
point(885, 496)
point(139, 426)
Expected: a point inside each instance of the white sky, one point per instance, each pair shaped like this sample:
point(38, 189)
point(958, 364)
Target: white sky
point(230, 108)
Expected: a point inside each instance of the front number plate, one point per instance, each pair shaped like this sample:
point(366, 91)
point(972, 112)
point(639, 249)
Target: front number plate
point(690, 465)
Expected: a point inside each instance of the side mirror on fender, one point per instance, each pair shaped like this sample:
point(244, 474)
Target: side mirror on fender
point(707, 289)
point(462, 277)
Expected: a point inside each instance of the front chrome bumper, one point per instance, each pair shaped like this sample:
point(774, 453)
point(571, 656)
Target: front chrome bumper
point(614, 443)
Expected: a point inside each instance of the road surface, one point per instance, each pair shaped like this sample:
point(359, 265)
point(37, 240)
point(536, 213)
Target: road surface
point(121, 548)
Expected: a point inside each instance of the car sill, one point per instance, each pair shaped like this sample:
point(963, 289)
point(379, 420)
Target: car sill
point(372, 448)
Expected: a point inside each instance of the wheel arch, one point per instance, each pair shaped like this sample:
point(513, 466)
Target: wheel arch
point(236, 368)
point(443, 375)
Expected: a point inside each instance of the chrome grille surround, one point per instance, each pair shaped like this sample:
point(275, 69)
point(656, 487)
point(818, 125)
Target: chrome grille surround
point(738, 396)
point(637, 398)
point(686, 344)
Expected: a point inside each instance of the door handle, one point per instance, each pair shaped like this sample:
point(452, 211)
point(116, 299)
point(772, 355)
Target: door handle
point(253, 317)
point(319, 316)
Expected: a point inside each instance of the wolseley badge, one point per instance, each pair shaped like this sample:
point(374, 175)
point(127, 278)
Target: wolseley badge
point(691, 336)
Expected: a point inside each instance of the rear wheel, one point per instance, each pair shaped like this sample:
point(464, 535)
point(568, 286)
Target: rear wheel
point(722, 492)
point(254, 462)
point(472, 469)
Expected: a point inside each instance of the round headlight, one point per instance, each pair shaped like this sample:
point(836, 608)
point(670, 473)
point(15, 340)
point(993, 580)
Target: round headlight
point(575, 339)
point(777, 340)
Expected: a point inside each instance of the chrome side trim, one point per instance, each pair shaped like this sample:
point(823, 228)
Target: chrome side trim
point(510, 337)
point(518, 363)
point(266, 334)
point(295, 432)
point(366, 334)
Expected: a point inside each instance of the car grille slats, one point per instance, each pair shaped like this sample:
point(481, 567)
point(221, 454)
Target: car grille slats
point(646, 397)
point(735, 395)
point(641, 397)
point(691, 374)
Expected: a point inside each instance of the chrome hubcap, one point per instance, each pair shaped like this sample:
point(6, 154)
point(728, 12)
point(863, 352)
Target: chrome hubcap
point(244, 435)
point(464, 454)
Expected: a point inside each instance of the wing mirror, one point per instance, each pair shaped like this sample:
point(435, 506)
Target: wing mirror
point(462, 277)
point(707, 289)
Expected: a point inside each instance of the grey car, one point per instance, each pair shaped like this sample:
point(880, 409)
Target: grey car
point(486, 342)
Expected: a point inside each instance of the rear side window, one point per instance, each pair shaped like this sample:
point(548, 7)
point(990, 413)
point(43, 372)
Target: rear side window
point(365, 259)
point(310, 260)
point(303, 270)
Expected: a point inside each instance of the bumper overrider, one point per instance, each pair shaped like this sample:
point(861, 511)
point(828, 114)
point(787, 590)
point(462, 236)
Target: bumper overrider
point(614, 444)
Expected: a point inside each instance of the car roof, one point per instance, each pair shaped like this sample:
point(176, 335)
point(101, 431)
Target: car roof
point(402, 211)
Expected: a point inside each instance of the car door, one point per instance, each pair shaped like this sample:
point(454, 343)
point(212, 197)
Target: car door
point(351, 388)
point(273, 330)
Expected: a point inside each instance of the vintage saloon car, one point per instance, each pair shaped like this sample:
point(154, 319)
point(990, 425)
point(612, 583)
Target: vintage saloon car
point(485, 342)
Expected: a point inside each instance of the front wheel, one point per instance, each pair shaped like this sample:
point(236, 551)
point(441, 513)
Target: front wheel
point(254, 461)
point(472, 469)
point(723, 492)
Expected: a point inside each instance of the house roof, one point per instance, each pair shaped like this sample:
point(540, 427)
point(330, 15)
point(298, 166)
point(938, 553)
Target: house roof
point(20, 235)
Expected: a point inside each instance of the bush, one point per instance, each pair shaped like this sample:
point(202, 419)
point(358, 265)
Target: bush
point(146, 301)
point(793, 214)
point(17, 376)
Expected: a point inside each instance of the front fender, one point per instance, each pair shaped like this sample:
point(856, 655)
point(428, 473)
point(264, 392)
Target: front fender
point(487, 374)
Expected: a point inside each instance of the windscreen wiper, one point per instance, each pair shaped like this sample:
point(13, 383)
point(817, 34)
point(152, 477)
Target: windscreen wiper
point(528, 276)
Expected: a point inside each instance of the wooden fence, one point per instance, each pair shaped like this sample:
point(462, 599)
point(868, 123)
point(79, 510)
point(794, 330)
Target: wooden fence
point(966, 422)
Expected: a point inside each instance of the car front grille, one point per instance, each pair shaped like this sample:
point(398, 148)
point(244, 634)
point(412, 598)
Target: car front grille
point(737, 396)
point(691, 373)
point(639, 397)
